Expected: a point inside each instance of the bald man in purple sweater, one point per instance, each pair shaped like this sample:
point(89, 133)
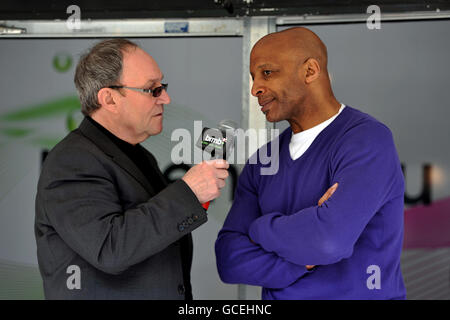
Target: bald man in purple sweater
point(290, 232)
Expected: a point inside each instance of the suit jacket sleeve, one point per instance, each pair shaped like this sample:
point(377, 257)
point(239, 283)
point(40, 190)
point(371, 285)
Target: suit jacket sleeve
point(79, 198)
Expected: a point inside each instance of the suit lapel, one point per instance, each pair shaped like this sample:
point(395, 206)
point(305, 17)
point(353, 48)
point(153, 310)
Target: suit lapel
point(110, 149)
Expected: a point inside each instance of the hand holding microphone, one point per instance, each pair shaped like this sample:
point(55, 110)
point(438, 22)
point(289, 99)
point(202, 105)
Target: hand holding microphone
point(207, 178)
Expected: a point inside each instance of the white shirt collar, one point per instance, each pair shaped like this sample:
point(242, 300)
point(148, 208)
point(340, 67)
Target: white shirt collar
point(301, 141)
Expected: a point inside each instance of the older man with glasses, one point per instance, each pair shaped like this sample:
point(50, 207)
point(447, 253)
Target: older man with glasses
point(108, 225)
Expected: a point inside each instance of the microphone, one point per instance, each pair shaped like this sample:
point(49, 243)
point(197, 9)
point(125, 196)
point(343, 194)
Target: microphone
point(218, 142)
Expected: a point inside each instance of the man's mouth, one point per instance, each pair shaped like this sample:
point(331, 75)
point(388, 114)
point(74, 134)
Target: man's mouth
point(265, 105)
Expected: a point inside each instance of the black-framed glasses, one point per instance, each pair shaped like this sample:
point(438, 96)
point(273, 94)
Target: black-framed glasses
point(156, 92)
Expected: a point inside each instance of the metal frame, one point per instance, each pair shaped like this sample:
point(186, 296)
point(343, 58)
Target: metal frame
point(254, 29)
point(353, 18)
point(121, 28)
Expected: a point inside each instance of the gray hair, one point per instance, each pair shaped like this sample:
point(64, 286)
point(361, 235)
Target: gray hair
point(100, 67)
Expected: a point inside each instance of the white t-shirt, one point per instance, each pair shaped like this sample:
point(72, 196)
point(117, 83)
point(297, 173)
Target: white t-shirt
point(301, 141)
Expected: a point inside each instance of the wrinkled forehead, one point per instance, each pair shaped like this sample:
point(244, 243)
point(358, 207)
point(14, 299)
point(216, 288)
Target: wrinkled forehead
point(139, 66)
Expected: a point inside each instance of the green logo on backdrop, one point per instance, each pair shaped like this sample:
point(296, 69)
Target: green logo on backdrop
point(62, 62)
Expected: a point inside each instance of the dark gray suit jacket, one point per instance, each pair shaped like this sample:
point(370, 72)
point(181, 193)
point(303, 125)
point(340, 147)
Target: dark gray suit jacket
point(96, 210)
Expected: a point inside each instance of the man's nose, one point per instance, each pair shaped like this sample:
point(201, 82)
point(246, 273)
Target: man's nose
point(164, 98)
point(257, 89)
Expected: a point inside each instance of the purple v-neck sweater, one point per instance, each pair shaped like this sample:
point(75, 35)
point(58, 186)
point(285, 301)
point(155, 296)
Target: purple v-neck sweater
point(275, 226)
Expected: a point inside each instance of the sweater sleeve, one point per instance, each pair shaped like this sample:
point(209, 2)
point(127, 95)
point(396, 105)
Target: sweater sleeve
point(366, 166)
point(239, 260)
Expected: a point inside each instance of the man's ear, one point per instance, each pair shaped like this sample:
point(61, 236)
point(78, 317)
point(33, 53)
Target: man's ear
point(106, 98)
point(313, 70)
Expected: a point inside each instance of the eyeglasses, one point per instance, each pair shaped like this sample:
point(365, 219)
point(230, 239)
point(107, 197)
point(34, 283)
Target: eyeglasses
point(156, 92)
